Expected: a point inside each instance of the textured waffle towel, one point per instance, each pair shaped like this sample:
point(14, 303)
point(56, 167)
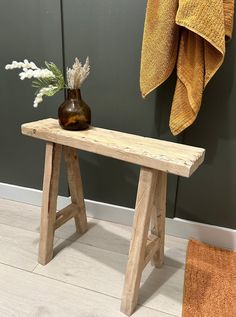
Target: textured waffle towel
point(210, 282)
point(190, 34)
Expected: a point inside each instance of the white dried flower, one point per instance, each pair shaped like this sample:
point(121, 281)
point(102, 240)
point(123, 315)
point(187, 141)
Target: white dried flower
point(39, 97)
point(38, 73)
point(77, 74)
point(25, 64)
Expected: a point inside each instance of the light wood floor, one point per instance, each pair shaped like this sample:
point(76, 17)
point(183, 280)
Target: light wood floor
point(85, 278)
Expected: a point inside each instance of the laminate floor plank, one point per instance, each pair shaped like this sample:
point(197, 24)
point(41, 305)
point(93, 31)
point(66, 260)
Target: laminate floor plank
point(85, 266)
point(18, 247)
point(101, 234)
point(25, 294)
point(19, 215)
point(103, 271)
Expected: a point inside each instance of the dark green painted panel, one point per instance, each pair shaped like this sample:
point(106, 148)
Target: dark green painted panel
point(32, 30)
point(209, 195)
point(110, 32)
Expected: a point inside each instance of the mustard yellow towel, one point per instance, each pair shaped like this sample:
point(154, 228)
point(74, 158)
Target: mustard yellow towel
point(188, 34)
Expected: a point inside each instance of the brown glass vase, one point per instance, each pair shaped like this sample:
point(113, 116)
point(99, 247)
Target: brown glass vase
point(74, 114)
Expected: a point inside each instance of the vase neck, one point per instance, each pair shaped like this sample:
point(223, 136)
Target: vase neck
point(74, 94)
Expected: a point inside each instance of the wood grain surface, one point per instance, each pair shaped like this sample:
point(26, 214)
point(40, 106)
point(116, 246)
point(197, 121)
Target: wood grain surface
point(162, 155)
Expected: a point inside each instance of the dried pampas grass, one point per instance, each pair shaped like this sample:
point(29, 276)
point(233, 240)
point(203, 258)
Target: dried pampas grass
point(77, 74)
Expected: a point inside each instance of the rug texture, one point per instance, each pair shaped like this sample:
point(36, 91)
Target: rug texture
point(210, 282)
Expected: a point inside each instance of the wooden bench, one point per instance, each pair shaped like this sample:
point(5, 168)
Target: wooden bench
point(156, 158)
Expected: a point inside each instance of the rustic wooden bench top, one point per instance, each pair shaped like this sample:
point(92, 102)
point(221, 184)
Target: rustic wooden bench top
point(162, 155)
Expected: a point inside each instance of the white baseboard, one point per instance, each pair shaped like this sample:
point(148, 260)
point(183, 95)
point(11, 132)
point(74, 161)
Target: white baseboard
point(214, 235)
point(27, 195)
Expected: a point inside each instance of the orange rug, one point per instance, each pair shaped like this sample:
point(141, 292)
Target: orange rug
point(210, 282)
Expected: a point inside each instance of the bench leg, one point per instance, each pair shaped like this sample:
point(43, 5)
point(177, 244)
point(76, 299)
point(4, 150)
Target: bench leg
point(158, 216)
point(137, 253)
point(50, 219)
point(49, 204)
point(76, 188)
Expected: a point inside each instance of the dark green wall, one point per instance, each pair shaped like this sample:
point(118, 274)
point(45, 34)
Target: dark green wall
point(110, 32)
point(29, 29)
